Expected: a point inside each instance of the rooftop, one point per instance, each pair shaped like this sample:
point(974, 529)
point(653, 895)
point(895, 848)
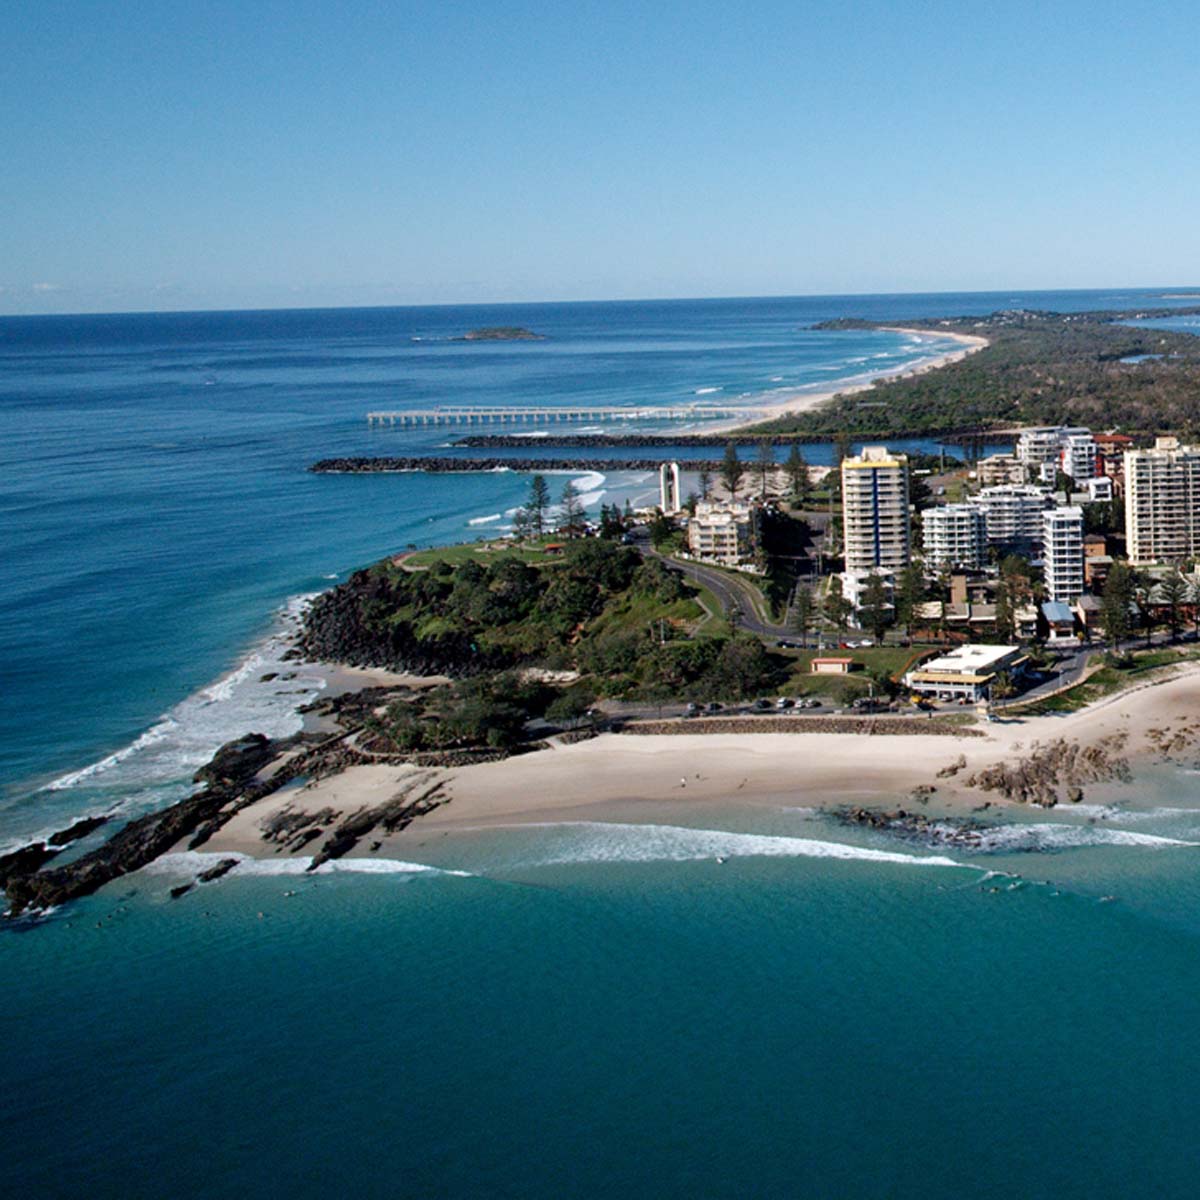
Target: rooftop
point(971, 659)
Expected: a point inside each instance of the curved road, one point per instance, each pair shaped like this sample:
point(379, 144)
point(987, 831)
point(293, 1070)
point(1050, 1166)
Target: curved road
point(734, 595)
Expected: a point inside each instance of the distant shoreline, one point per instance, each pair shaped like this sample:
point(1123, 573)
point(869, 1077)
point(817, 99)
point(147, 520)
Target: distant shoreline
point(807, 402)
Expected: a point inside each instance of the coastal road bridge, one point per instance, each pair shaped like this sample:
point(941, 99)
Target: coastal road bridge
point(468, 415)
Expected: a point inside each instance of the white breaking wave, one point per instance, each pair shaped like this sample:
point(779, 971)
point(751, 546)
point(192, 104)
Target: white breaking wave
point(1051, 836)
point(192, 862)
point(186, 737)
point(484, 520)
point(707, 391)
point(593, 841)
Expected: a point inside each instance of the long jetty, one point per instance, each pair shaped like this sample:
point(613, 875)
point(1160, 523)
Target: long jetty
point(467, 415)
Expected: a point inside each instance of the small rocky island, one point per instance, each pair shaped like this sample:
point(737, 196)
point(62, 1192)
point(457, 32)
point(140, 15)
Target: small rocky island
point(502, 333)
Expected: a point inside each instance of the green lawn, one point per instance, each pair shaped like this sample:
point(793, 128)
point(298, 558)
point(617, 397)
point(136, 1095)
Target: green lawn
point(842, 689)
point(1106, 682)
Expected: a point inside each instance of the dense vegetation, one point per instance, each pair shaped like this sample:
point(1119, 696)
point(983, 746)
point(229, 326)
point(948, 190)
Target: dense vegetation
point(627, 624)
point(1039, 368)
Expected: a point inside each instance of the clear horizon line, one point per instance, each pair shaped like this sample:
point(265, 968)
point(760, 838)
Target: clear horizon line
point(188, 311)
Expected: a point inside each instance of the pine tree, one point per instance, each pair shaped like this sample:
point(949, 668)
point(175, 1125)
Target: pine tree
point(570, 512)
point(704, 481)
point(837, 607)
point(874, 607)
point(539, 503)
point(765, 460)
point(732, 470)
point(797, 473)
point(803, 612)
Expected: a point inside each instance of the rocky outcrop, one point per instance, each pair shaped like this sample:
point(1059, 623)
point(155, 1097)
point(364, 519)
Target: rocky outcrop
point(229, 776)
point(1056, 769)
point(393, 816)
point(929, 831)
point(27, 859)
point(339, 626)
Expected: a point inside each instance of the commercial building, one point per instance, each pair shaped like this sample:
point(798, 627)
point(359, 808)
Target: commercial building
point(966, 672)
point(954, 536)
point(1014, 516)
point(875, 513)
point(1162, 502)
point(720, 533)
point(1062, 552)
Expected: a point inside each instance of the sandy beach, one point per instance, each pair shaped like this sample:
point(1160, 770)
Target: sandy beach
point(800, 402)
point(624, 777)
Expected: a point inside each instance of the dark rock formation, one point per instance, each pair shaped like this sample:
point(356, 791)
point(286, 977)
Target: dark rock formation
point(222, 868)
point(433, 465)
point(81, 828)
point(501, 333)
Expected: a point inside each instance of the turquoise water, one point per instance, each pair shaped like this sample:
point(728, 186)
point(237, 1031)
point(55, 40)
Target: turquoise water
point(579, 1010)
point(783, 1025)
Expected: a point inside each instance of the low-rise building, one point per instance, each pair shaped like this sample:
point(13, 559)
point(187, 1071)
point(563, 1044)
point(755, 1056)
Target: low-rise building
point(1088, 611)
point(966, 672)
point(1025, 622)
point(1058, 620)
point(997, 470)
point(831, 666)
point(720, 533)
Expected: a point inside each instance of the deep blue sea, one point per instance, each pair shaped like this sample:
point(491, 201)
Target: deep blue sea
point(574, 1011)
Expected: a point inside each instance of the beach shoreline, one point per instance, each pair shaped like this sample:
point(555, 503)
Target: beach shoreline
point(804, 402)
point(628, 779)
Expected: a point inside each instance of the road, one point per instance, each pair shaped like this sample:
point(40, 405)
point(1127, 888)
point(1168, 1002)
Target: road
point(739, 599)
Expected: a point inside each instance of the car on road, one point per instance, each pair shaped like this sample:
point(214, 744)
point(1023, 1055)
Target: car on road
point(762, 704)
point(712, 707)
point(783, 702)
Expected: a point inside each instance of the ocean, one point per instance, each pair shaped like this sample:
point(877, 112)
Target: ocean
point(575, 1011)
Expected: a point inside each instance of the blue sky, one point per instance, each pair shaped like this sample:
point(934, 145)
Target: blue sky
point(199, 155)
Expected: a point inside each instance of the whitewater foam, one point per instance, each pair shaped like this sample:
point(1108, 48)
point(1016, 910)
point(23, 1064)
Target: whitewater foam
point(193, 862)
point(596, 842)
point(156, 767)
point(1051, 836)
point(484, 520)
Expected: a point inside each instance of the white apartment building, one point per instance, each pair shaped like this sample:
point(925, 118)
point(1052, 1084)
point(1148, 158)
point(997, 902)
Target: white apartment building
point(1038, 446)
point(1162, 502)
point(1013, 515)
point(1071, 449)
point(1062, 554)
point(999, 469)
point(954, 536)
point(875, 511)
point(720, 533)
point(1078, 456)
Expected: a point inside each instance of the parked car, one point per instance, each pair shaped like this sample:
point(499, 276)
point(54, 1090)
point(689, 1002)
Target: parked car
point(712, 707)
point(783, 702)
point(762, 704)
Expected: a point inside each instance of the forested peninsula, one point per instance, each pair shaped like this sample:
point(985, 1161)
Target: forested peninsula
point(1039, 368)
